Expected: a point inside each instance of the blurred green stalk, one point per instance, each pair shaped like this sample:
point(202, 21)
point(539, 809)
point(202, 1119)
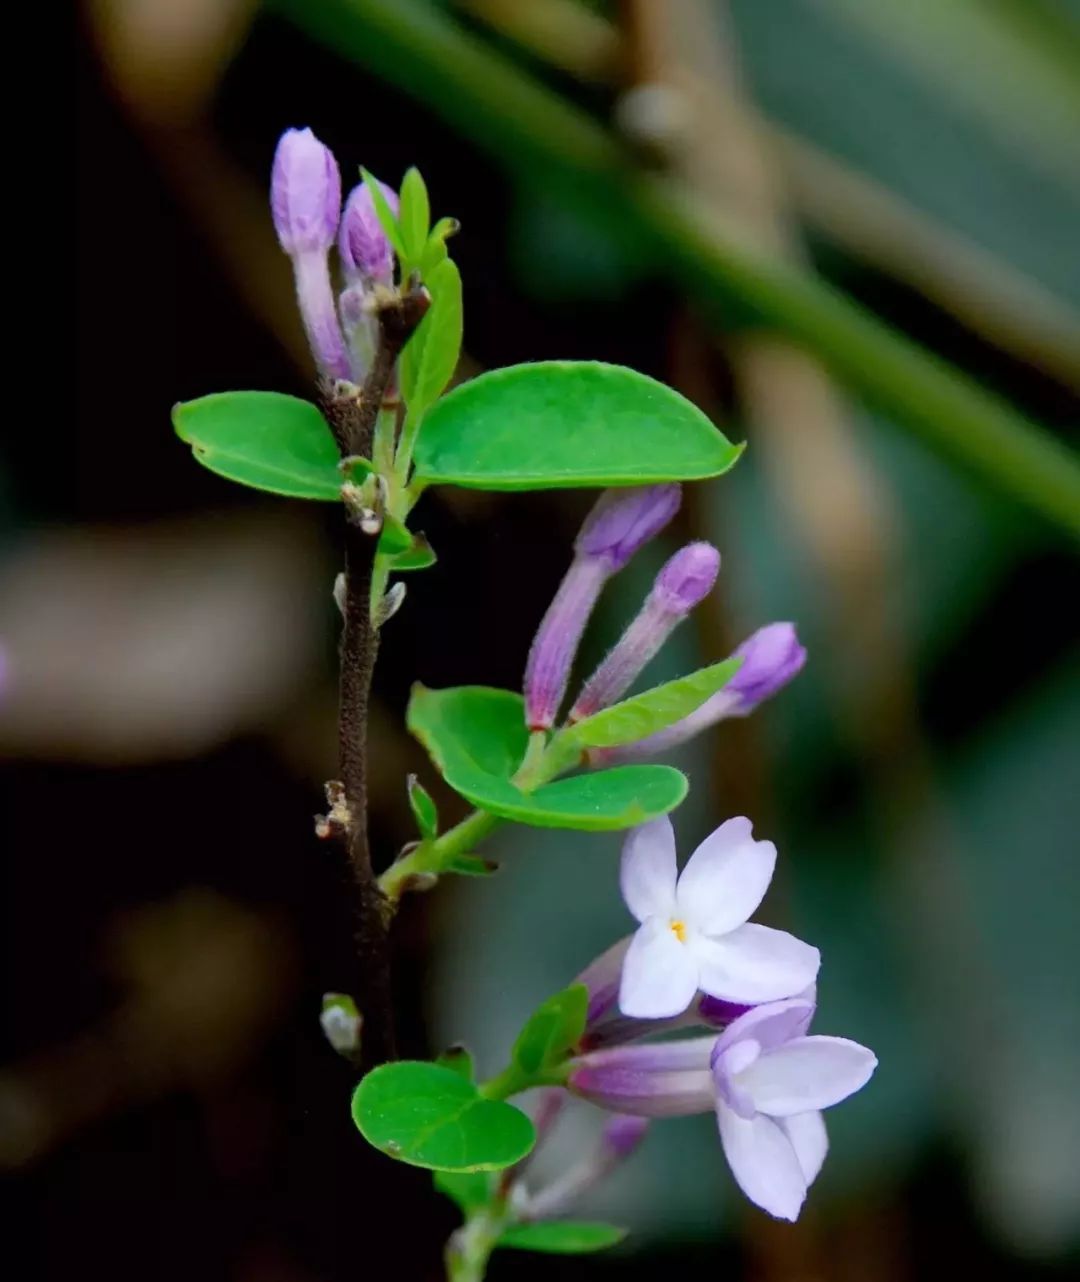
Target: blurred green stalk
point(534, 131)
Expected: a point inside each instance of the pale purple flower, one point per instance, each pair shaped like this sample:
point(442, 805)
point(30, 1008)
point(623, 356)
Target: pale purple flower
point(694, 931)
point(767, 1081)
point(772, 1081)
point(686, 578)
point(365, 253)
point(620, 523)
point(771, 657)
point(305, 200)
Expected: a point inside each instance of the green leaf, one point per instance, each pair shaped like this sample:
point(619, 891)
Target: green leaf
point(562, 1237)
point(566, 424)
point(414, 217)
point(423, 808)
point(431, 1116)
point(395, 537)
point(435, 249)
point(469, 1191)
point(552, 1030)
point(471, 866)
point(431, 355)
point(386, 216)
point(417, 557)
point(459, 1060)
point(263, 439)
point(644, 714)
point(477, 738)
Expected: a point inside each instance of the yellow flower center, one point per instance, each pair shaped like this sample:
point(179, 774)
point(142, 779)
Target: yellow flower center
point(678, 929)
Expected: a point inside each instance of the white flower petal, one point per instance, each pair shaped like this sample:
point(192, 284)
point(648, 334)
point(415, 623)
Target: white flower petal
point(763, 1160)
point(808, 1073)
point(725, 878)
point(754, 964)
point(648, 870)
point(659, 978)
point(808, 1136)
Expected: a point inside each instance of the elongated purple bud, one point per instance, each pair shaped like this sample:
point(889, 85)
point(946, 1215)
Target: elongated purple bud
point(366, 254)
point(771, 657)
point(664, 1079)
point(623, 1135)
point(620, 523)
point(680, 585)
point(305, 193)
point(619, 1139)
point(305, 200)
point(625, 520)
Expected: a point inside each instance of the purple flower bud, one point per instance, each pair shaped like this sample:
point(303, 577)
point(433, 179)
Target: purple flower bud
point(624, 520)
point(555, 644)
point(305, 199)
point(620, 522)
point(687, 578)
point(623, 1134)
point(305, 193)
point(365, 252)
point(771, 657)
point(618, 1141)
point(680, 585)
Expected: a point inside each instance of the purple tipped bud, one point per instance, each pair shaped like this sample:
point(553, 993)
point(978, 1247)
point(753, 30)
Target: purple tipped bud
point(623, 1134)
point(362, 245)
point(618, 1140)
point(771, 657)
point(624, 520)
point(620, 523)
point(680, 585)
point(305, 193)
point(687, 578)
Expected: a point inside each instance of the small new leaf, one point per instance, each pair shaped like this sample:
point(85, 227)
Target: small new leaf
point(387, 219)
point(431, 355)
point(395, 537)
point(414, 218)
point(423, 808)
point(552, 1030)
point(459, 1060)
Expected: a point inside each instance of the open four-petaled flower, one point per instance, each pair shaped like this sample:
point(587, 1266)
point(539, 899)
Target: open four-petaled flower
point(694, 932)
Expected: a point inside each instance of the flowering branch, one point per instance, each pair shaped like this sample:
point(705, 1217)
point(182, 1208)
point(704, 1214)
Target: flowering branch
point(695, 960)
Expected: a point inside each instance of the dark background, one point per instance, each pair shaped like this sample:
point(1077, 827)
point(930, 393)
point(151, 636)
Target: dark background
point(166, 721)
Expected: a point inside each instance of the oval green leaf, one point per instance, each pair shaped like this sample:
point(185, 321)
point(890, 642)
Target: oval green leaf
point(551, 1030)
point(655, 709)
point(263, 439)
point(567, 424)
point(477, 738)
point(562, 1237)
point(431, 1116)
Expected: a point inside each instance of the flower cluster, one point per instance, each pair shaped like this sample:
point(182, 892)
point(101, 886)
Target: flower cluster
point(695, 959)
point(620, 524)
point(305, 200)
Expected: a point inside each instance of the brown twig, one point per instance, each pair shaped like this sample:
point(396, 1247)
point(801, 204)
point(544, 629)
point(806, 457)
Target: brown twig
point(353, 414)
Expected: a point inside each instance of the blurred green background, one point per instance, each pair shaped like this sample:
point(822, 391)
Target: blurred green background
point(850, 230)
